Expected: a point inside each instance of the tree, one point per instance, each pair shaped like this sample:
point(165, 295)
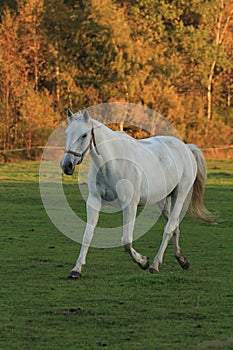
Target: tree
point(12, 79)
point(225, 16)
point(23, 106)
point(31, 35)
point(172, 56)
point(58, 21)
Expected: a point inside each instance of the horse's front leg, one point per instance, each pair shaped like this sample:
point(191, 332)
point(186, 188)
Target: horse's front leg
point(93, 208)
point(129, 215)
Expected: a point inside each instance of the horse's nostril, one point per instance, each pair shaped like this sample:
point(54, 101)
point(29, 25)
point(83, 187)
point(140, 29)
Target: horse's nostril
point(70, 166)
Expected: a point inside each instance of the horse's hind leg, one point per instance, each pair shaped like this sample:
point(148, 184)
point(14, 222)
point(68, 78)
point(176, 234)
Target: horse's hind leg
point(129, 214)
point(165, 209)
point(181, 258)
point(154, 268)
point(171, 229)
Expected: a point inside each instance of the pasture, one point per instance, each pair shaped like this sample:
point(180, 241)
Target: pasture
point(115, 305)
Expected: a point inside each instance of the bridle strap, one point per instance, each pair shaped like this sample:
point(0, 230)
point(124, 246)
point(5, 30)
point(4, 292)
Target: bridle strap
point(82, 155)
point(94, 143)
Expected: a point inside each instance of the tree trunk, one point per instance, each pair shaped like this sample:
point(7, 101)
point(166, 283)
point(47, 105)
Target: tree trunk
point(7, 111)
point(209, 92)
point(35, 44)
point(121, 126)
point(218, 41)
point(58, 91)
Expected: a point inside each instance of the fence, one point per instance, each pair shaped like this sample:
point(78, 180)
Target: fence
point(218, 152)
point(34, 153)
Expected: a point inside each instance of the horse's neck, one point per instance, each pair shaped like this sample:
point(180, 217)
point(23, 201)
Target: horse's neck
point(100, 130)
point(96, 125)
point(102, 134)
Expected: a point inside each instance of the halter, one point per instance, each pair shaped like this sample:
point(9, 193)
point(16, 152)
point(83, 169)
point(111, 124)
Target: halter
point(82, 155)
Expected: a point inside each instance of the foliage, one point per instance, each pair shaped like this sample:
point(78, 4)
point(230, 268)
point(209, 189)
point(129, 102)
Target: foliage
point(172, 56)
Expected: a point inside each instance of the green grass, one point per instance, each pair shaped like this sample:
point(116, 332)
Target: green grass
point(115, 305)
point(220, 172)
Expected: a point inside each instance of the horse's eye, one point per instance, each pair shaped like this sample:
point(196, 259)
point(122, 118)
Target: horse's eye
point(84, 136)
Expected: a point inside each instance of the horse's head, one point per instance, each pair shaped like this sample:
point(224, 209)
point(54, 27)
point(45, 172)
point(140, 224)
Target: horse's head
point(79, 136)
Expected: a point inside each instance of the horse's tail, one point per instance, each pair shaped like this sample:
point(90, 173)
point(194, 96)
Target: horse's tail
point(197, 208)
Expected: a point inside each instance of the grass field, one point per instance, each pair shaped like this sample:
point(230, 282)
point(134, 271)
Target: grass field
point(115, 305)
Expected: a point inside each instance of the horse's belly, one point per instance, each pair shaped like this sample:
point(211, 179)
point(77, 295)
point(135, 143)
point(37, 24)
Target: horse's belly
point(157, 182)
point(154, 196)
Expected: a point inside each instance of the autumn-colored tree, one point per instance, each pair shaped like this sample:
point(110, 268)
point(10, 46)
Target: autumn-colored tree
point(172, 56)
point(31, 35)
point(23, 107)
point(12, 80)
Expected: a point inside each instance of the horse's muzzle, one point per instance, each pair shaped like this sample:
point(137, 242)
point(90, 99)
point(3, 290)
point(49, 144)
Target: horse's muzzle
point(67, 164)
point(68, 168)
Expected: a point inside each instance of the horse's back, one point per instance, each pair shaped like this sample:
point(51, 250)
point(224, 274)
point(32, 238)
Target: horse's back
point(169, 149)
point(170, 161)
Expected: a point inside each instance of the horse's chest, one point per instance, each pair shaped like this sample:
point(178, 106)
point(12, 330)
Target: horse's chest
point(106, 186)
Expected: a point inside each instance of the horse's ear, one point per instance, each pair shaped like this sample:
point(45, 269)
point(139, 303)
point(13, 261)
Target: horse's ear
point(85, 115)
point(69, 113)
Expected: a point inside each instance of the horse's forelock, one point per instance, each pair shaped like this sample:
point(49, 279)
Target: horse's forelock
point(78, 116)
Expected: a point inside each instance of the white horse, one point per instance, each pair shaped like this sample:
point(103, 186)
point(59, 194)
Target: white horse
point(162, 169)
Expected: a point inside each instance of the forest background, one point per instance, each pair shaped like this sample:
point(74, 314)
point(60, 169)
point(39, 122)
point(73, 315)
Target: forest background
point(175, 57)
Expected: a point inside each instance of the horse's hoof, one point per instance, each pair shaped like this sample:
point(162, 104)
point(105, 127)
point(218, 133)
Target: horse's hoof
point(145, 267)
point(153, 271)
point(184, 262)
point(74, 275)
